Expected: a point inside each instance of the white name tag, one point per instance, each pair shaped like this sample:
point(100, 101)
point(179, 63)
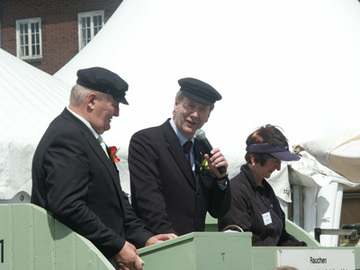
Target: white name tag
point(267, 218)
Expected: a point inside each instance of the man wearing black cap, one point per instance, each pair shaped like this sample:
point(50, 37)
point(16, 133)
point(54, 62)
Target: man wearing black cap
point(74, 175)
point(172, 190)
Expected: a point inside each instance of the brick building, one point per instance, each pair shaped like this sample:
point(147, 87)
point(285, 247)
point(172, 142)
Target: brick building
point(48, 33)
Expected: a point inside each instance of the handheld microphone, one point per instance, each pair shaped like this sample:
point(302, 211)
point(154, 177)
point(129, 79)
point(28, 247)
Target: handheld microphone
point(200, 135)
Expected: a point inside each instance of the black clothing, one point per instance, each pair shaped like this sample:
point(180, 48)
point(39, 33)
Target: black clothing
point(79, 185)
point(165, 192)
point(256, 209)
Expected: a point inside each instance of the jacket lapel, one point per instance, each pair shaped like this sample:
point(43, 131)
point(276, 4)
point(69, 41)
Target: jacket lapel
point(98, 150)
point(177, 152)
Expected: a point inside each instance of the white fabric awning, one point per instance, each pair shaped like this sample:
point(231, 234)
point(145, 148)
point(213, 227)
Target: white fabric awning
point(30, 99)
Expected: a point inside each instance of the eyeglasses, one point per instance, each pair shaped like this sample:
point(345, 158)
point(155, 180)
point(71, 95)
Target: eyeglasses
point(192, 108)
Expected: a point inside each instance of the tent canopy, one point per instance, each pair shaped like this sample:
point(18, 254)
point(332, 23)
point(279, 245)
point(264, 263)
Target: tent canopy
point(289, 63)
point(30, 99)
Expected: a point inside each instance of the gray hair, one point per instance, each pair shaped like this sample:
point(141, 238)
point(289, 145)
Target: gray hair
point(79, 93)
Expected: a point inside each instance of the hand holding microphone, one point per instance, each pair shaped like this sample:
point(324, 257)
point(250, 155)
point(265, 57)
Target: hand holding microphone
point(200, 135)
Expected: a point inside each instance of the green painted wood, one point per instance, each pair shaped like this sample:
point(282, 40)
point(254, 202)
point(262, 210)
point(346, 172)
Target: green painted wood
point(300, 234)
point(211, 224)
point(291, 228)
point(22, 243)
point(31, 239)
point(44, 244)
point(200, 250)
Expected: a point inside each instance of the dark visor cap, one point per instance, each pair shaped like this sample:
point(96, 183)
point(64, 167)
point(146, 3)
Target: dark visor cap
point(199, 91)
point(280, 151)
point(105, 81)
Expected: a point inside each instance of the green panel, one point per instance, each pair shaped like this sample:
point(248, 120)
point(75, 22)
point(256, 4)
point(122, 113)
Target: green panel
point(357, 257)
point(23, 257)
point(268, 257)
point(300, 234)
point(173, 254)
point(44, 245)
point(6, 238)
point(210, 224)
point(64, 247)
point(32, 239)
point(200, 250)
point(223, 250)
point(87, 258)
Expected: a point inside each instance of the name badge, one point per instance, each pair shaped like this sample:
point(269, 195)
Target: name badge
point(267, 218)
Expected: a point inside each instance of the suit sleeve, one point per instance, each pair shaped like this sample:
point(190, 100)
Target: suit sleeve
point(220, 200)
point(67, 169)
point(135, 228)
point(147, 197)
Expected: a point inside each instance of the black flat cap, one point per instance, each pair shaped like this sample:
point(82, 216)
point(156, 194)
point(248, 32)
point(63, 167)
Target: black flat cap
point(199, 91)
point(103, 80)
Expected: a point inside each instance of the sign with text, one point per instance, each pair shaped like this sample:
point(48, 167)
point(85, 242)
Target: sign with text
point(317, 259)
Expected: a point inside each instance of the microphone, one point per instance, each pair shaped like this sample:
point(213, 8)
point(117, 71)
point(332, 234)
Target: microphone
point(200, 135)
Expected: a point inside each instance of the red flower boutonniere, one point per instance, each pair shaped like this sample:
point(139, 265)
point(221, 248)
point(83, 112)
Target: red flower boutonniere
point(113, 152)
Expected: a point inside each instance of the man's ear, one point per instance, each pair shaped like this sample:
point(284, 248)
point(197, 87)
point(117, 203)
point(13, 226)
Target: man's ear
point(176, 105)
point(91, 100)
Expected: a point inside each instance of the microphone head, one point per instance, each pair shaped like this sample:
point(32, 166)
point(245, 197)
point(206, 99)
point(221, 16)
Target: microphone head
point(200, 134)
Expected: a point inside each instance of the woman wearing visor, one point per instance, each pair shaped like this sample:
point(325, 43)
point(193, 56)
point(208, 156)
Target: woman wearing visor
point(254, 206)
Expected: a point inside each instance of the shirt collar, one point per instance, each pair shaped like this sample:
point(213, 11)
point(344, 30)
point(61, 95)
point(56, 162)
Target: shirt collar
point(97, 136)
point(181, 137)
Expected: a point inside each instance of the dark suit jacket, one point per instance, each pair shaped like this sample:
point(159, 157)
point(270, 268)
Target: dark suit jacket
point(165, 193)
point(79, 185)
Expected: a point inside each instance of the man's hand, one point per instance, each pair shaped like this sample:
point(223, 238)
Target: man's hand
point(128, 258)
point(217, 160)
point(160, 238)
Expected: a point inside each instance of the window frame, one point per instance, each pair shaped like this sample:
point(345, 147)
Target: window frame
point(92, 28)
point(38, 36)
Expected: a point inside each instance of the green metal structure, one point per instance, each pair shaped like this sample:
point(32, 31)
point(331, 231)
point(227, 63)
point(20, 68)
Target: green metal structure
point(31, 239)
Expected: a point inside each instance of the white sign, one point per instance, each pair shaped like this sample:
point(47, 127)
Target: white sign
point(317, 259)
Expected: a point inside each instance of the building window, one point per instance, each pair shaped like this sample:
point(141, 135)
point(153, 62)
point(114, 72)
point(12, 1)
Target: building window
point(90, 24)
point(28, 38)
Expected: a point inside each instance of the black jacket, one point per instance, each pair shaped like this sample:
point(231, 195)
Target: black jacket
point(79, 185)
point(165, 193)
point(256, 209)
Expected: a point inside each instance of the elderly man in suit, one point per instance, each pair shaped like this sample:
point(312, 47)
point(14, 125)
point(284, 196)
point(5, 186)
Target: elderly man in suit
point(74, 175)
point(168, 193)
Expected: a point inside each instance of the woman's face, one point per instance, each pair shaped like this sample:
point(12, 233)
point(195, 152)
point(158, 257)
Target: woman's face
point(270, 166)
point(265, 171)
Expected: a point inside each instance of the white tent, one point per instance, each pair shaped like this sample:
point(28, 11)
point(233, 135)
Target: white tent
point(294, 64)
point(30, 99)
point(289, 63)
point(340, 152)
